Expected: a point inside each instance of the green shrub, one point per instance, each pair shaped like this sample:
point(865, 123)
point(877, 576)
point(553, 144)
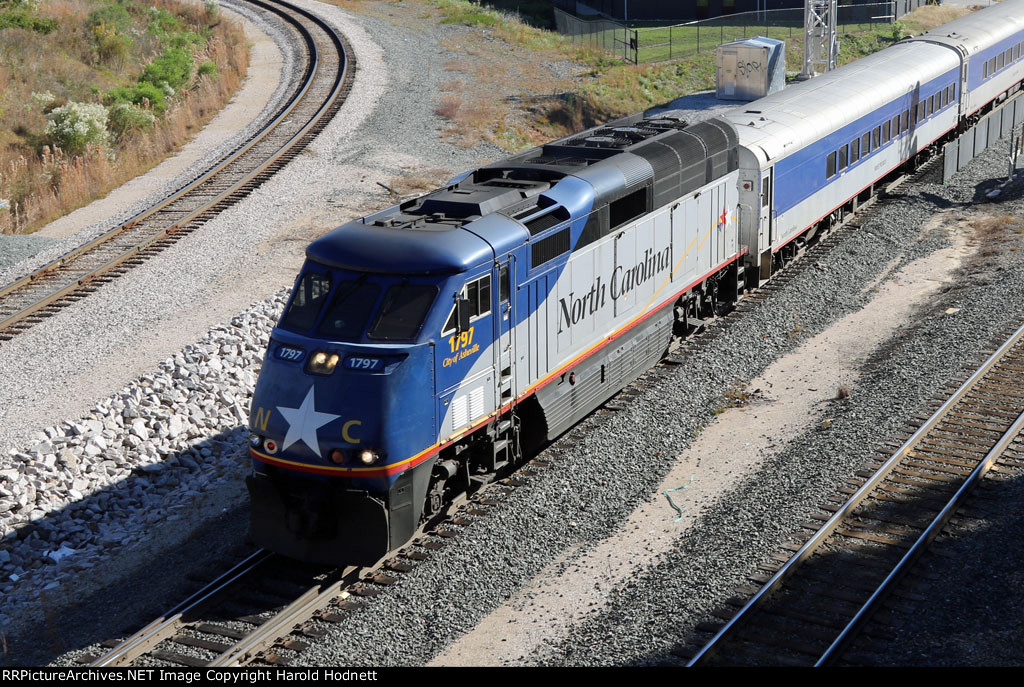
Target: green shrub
point(208, 68)
point(186, 39)
point(173, 67)
point(20, 18)
point(113, 15)
point(112, 47)
point(212, 9)
point(126, 118)
point(76, 126)
point(163, 22)
point(138, 95)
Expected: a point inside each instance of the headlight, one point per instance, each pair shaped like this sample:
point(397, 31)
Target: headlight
point(368, 457)
point(270, 445)
point(322, 363)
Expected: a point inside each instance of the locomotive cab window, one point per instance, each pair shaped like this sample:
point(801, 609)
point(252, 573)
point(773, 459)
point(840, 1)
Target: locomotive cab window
point(504, 290)
point(478, 293)
point(350, 310)
point(309, 297)
point(402, 313)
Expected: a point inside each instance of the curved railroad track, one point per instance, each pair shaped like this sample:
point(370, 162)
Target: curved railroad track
point(812, 606)
point(326, 80)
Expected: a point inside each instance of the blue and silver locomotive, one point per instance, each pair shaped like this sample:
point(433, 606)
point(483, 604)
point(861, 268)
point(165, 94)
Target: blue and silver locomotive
point(425, 345)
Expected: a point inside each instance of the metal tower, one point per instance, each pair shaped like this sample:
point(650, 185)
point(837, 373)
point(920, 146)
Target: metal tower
point(821, 47)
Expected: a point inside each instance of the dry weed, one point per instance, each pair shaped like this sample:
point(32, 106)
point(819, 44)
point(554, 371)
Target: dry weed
point(420, 181)
point(449, 107)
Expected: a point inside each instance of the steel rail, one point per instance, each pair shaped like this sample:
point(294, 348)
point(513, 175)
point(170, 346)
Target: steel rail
point(933, 530)
point(167, 624)
point(10, 322)
point(833, 522)
point(303, 608)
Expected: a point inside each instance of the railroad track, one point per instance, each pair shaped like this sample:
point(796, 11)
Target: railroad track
point(326, 80)
point(254, 606)
point(265, 608)
point(813, 605)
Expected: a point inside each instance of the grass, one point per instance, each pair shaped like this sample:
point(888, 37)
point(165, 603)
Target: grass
point(76, 63)
point(990, 232)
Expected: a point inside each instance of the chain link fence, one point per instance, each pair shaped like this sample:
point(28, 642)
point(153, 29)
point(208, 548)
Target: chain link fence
point(657, 43)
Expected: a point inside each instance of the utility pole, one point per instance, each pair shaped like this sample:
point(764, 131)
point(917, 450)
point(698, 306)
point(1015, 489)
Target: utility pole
point(821, 45)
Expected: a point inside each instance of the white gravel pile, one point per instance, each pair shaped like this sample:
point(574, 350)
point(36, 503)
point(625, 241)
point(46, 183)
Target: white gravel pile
point(86, 486)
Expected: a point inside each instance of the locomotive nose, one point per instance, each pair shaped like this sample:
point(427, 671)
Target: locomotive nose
point(339, 410)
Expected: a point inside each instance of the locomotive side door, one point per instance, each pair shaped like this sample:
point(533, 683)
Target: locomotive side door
point(504, 330)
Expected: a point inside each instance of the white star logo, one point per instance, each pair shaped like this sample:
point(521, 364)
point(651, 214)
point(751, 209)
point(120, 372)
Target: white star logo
point(303, 423)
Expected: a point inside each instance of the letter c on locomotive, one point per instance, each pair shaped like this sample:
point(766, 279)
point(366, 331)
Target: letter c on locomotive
point(345, 431)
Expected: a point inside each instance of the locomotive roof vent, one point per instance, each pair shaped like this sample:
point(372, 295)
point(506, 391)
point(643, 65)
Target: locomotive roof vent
point(663, 123)
point(556, 160)
point(600, 142)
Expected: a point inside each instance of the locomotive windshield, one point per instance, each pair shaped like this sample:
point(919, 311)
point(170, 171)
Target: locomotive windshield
point(347, 309)
point(405, 307)
point(350, 310)
point(309, 297)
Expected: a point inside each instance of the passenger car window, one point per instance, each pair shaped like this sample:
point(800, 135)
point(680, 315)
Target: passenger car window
point(844, 154)
point(830, 166)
